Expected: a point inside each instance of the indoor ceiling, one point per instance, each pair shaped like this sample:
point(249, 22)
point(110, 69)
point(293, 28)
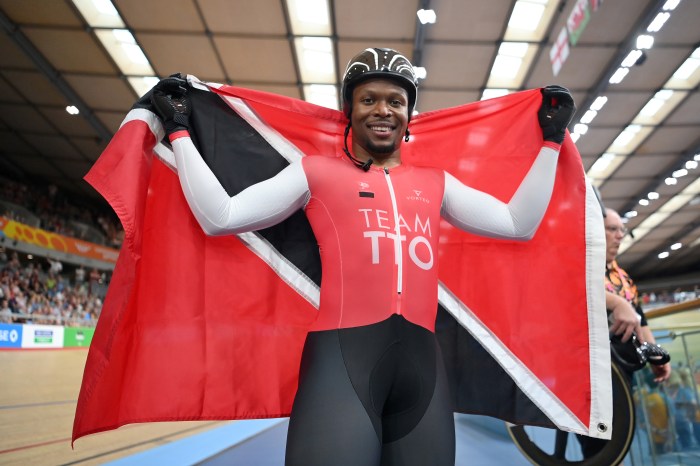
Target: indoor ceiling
point(52, 58)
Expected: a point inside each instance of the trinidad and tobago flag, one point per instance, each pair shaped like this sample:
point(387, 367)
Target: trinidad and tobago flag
point(199, 328)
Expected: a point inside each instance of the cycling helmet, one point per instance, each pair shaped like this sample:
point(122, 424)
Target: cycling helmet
point(379, 63)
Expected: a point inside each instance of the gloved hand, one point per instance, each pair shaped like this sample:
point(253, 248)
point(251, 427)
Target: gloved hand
point(555, 113)
point(169, 98)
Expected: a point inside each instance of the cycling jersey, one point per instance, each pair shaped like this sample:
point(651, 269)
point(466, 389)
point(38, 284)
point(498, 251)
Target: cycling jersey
point(377, 230)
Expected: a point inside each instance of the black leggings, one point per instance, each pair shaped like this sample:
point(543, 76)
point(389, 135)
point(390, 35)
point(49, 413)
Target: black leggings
point(372, 395)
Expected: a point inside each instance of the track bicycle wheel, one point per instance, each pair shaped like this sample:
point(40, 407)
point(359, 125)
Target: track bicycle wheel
point(552, 447)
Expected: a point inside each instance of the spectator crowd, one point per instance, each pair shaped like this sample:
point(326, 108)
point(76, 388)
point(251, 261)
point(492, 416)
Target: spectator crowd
point(58, 213)
point(32, 293)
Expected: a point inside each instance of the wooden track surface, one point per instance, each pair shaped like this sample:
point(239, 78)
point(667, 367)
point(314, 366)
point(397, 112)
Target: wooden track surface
point(38, 394)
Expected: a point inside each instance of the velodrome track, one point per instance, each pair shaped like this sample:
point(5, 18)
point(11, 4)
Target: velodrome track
point(38, 393)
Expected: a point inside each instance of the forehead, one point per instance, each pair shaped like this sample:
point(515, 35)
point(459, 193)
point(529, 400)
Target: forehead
point(612, 218)
point(380, 85)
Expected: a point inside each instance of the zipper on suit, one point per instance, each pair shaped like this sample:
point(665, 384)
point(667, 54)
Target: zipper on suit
point(398, 252)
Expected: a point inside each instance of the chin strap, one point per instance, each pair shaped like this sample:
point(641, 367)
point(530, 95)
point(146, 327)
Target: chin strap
point(359, 163)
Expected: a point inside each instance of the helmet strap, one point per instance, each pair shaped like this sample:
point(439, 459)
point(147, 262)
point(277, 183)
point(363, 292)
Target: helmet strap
point(359, 163)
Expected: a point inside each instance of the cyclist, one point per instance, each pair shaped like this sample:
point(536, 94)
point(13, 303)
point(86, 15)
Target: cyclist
point(372, 387)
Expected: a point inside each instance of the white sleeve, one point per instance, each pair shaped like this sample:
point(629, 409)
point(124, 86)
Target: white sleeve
point(259, 206)
point(483, 214)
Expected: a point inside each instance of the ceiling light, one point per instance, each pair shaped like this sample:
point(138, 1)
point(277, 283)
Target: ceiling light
point(72, 109)
point(689, 66)
point(105, 7)
point(626, 136)
point(588, 116)
point(696, 157)
point(653, 195)
point(506, 67)
point(426, 16)
point(652, 107)
point(631, 58)
point(671, 5)
point(526, 15)
point(658, 22)
point(311, 11)
point(122, 47)
point(645, 41)
point(309, 17)
point(619, 75)
point(598, 103)
point(142, 84)
point(575, 137)
point(670, 181)
point(99, 13)
point(644, 202)
point(513, 49)
point(691, 164)
point(631, 214)
point(581, 129)
point(490, 93)
point(664, 255)
point(316, 61)
point(602, 162)
point(676, 246)
point(680, 173)
point(325, 95)
point(421, 72)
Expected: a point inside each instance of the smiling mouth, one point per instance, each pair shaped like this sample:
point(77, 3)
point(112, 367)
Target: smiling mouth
point(381, 129)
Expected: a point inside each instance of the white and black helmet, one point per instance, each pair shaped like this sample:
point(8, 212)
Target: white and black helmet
point(379, 63)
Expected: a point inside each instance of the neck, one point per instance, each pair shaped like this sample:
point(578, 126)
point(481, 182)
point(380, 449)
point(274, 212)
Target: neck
point(379, 160)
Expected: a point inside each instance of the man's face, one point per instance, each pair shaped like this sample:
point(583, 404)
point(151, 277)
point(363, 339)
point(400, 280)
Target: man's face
point(614, 232)
point(379, 116)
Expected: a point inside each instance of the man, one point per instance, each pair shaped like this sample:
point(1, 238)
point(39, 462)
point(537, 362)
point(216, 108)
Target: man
point(621, 297)
point(372, 386)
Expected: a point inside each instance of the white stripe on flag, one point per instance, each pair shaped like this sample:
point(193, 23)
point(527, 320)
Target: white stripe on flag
point(598, 333)
point(284, 269)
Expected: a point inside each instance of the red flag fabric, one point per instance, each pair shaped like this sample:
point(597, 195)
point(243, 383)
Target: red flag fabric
point(201, 328)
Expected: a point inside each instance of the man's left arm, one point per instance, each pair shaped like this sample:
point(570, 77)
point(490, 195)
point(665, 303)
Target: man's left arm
point(481, 213)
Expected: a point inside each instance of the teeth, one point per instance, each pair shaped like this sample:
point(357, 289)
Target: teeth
point(380, 129)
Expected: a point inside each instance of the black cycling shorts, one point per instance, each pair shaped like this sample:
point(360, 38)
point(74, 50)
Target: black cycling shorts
point(372, 395)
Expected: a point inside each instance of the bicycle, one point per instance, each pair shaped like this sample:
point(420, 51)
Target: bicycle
point(550, 447)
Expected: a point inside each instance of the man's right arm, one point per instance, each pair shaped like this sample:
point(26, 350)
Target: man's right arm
point(259, 206)
point(625, 319)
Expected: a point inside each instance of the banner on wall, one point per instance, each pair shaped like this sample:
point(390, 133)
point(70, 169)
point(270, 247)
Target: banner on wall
point(17, 231)
point(10, 336)
point(42, 336)
point(77, 337)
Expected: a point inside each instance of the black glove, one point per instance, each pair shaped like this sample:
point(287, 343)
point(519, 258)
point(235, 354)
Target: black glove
point(170, 102)
point(555, 113)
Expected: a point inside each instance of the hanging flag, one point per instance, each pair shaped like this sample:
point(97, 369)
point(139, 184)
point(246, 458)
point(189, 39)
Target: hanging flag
point(202, 328)
point(559, 51)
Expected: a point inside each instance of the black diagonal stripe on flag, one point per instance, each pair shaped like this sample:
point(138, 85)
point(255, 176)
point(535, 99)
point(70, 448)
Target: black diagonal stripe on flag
point(240, 157)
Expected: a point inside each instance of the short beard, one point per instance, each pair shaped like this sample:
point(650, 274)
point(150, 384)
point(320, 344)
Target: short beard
point(375, 149)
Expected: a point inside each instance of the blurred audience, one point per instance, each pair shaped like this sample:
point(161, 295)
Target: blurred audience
point(58, 213)
point(29, 294)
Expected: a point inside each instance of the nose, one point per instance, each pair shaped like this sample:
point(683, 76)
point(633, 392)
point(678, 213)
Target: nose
point(382, 108)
